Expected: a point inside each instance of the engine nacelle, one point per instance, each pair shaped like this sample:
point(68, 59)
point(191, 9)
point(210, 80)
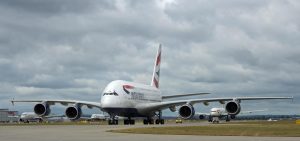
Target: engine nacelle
point(73, 112)
point(42, 109)
point(186, 111)
point(233, 108)
point(172, 109)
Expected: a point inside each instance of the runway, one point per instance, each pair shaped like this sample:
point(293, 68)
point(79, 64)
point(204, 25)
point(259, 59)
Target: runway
point(98, 132)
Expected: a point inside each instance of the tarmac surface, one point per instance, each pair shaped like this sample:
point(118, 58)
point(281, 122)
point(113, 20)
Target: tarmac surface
point(98, 132)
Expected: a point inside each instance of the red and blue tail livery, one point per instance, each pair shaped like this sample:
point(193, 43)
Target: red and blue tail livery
point(156, 71)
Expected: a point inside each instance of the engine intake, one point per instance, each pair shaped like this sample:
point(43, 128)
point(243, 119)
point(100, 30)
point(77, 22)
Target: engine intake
point(233, 108)
point(186, 111)
point(42, 109)
point(73, 112)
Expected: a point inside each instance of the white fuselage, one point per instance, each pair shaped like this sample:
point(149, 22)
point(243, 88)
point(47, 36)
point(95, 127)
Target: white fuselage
point(98, 116)
point(122, 97)
point(217, 112)
point(29, 116)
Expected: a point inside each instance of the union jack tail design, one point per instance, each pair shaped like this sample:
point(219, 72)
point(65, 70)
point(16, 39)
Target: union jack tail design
point(155, 76)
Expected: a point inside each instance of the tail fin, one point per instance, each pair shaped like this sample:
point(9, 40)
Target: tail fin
point(155, 76)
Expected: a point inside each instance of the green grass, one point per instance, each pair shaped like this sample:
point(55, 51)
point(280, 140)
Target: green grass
point(260, 128)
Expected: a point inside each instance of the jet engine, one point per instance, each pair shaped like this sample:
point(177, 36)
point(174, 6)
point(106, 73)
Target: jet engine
point(233, 107)
point(186, 111)
point(42, 109)
point(73, 112)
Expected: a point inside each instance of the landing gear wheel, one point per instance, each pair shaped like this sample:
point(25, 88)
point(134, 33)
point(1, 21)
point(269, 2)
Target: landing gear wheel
point(151, 121)
point(162, 121)
point(126, 122)
point(148, 121)
point(129, 121)
point(145, 121)
point(113, 122)
point(132, 122)
point(157, 121)
point(110, 122)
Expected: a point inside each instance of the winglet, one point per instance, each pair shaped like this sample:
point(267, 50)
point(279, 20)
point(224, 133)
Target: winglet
point(12, 102)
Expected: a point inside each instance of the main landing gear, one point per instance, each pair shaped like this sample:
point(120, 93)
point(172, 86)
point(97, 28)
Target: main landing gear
point(157, 121)
point(209, 119)
point(129, 121)
point(151, 121)
point(113, 120)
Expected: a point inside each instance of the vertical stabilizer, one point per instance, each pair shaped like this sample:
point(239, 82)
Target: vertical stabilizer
point(156, 70)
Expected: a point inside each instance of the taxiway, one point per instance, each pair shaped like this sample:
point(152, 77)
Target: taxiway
point(98, 132)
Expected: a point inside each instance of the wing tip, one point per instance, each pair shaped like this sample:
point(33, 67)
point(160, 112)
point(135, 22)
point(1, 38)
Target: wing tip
point(12, 101)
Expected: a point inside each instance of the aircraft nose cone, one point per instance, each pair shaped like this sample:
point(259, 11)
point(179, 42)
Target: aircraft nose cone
point(109, 101)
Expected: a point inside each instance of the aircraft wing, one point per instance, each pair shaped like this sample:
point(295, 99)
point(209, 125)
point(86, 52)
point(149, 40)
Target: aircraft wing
point(182, 95)
point(63, 102)
point(170, 104)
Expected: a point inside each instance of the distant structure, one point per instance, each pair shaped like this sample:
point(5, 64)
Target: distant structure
point(267, 117)
point(8, 116)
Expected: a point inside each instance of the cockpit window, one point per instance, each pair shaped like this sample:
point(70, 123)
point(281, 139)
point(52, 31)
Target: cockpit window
point(113, 93)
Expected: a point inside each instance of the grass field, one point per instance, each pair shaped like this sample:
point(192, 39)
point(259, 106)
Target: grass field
point(253, 128)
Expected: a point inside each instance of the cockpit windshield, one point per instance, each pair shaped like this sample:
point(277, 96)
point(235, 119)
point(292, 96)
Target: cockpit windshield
point(112, 93)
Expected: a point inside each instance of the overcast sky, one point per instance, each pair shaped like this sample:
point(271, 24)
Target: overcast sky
point(71, 49)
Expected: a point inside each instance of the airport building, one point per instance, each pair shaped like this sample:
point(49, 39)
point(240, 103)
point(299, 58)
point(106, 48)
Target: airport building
point(8, 116)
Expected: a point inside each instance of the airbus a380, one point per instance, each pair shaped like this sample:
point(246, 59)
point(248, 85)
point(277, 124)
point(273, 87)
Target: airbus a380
point(130, 99)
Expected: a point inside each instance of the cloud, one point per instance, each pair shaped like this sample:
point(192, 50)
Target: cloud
point(69, 48)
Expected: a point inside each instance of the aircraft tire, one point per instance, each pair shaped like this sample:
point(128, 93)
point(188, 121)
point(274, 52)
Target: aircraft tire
point(157, 121)
point(126, 122)
point(162, 121)
point(109, 122)
point(146, 121)
point(151, 121)
point(132, 122)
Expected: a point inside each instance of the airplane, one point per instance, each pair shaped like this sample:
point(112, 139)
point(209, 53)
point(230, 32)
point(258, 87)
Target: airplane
point(130, 99)
point(98, 117)
point(218, 113)
point(27, 117)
